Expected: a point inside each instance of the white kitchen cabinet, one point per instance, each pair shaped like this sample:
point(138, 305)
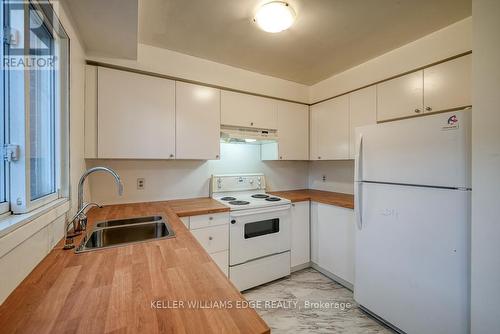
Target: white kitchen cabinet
point(330, 129)
point(249, 111)
point(300, 251)
point(332, 240)
point(90, 107)
point(400, 97)
point(212, 232)
point(136, 115)
point(448, 85)
point(197, 122)
point(293, 133)
point(362, 111)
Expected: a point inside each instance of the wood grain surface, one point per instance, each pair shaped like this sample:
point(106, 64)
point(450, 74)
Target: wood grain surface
point(112, 290)
point(325, 197)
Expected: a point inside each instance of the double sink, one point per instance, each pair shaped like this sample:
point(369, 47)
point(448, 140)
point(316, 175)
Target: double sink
point(113, 233)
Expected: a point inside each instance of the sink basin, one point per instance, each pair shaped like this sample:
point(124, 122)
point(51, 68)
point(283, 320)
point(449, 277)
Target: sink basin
point(123, 232)
point(119, 222)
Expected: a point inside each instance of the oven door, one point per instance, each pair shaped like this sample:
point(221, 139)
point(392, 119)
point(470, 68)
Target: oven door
point(257, 233)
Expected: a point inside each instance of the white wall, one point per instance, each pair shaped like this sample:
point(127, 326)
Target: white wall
point(339, 176)
point(163, 61)
point(444, 43)
point(23, 248)
point(186, 179)
point(485, 280)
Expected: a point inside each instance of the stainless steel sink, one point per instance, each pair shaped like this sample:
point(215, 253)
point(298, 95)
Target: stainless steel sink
point(125, 231)
point(118, 222)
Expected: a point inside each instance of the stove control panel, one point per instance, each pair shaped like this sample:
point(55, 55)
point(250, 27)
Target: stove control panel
point(237, 182)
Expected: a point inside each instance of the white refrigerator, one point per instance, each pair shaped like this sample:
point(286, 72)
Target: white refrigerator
point(412, 208)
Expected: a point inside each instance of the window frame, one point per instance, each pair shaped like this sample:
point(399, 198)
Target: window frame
point(20, 189)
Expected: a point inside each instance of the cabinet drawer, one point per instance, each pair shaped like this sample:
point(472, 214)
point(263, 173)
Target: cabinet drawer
point(222, 260)
point(215, 219)
point(213, 239)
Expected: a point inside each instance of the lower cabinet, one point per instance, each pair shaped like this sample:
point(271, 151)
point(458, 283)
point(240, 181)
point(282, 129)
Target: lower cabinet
point(300, 252)
point(212, 232)
point(332, 241)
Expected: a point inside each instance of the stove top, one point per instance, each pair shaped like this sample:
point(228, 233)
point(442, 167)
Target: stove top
point(243, 191)
point(246, 200)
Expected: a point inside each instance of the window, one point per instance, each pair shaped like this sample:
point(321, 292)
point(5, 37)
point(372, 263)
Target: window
point(34, 126)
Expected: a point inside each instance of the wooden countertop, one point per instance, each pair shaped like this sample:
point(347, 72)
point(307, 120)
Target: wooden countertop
point(112, 290)
point(196, 206)
point(325, 197)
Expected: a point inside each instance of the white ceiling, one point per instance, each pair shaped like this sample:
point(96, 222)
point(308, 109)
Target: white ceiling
point(329, 36)
point(107, 27)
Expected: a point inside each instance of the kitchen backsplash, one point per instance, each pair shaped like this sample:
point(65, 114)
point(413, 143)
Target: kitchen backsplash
point(332, 176)
point(188, 178)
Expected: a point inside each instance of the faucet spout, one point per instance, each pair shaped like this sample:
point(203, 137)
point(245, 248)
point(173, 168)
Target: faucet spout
point(118, 182)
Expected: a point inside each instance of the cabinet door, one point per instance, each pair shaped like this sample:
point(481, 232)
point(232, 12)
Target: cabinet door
point(300, 253)
point(448, 85)
point(239, 109)
point(293, 131)
point(400, 97)
point(197, 122)
point(136, 115)
point(333, 245)
point(330, 129)
point(362, 111)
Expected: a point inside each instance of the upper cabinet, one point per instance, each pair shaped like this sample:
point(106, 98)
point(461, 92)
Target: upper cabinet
point(330, 129)
point(400, 97)
point(448, 85)
point(135, 115)
point(293, 134)
point(197, 122)
point(249, 111)
point(437, 88)
point(362, 111)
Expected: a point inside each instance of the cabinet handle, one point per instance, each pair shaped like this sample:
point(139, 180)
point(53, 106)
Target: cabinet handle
point(210, 218)
point(251, 123)
point(233, 221)
point(217, 156)
point(293, 204)
point(319, 158)
point(171, 155)
point(281, 158)
point(210, 238)
point(417, 111)
point(428, 108)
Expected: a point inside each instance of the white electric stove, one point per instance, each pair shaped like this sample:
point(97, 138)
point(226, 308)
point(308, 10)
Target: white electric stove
point(259, 233)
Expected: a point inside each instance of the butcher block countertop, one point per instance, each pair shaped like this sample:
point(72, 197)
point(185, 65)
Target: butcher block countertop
point(164, 286)
point(325, 197)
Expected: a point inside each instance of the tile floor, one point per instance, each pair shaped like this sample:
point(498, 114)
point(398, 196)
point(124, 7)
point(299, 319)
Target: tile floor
point(309, 302)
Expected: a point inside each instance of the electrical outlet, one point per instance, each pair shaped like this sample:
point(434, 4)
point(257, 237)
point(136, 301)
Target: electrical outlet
point(141, 183)
point(323, 178)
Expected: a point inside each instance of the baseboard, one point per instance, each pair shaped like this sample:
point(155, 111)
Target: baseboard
point(300, 267)
point(334, 277)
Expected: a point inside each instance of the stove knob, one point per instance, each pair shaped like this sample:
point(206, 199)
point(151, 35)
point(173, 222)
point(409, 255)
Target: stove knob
point(233, 221)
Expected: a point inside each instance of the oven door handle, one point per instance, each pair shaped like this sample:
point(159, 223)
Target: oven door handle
point(242, 213)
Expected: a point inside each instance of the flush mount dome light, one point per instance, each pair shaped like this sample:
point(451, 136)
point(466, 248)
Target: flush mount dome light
point(275, 16)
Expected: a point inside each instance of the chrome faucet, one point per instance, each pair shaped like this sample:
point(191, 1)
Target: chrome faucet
point(79, 220)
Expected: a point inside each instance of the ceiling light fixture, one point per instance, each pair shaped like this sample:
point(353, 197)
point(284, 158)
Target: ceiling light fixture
point(275, 16)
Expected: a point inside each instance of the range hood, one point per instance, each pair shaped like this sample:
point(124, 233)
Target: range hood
point(242, 135)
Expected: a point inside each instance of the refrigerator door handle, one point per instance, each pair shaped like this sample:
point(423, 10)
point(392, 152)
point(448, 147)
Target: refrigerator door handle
point(358, 165)
point(358, 178)
point(358, 204)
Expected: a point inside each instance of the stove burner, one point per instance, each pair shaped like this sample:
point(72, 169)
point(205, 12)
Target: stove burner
point(239, 202)
point(273, 199)
point(260, 196)
point(228, 199)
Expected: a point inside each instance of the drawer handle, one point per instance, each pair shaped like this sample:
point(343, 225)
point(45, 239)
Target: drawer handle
point(210, 238)
point(210, 218)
